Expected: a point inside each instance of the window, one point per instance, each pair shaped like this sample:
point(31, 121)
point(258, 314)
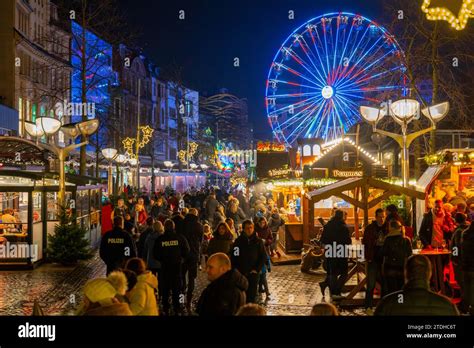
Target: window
point(316, 150)
point(306, 150)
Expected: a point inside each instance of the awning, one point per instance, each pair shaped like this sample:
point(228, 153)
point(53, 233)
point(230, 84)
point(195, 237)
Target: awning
point(428, 177)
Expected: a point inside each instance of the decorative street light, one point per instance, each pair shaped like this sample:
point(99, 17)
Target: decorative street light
point(169, 165)
point(120, 160)
point(109, 154)
point(49, 126)
point(403, 112)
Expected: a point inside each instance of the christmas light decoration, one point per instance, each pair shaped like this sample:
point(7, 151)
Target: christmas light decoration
point(442, 13)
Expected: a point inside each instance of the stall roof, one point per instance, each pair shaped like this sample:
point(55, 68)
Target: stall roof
point(29, 153)
point(79, 180)
point(351, 183)
point(428, 176)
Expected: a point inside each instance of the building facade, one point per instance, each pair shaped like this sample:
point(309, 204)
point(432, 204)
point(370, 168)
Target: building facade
point(34, 59)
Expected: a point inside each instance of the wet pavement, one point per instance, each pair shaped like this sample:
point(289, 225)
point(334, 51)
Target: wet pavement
point(58, 289)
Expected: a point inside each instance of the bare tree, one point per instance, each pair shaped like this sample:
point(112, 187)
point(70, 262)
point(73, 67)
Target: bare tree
point(436, 58)
point(96, 27)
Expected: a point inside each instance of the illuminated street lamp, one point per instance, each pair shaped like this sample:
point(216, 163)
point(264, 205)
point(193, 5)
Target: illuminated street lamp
point(403, 112)
point(49, 126)
point(169, 165)
point(109, 154)
point(120, 160)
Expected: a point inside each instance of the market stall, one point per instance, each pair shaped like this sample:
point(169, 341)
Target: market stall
point(450, 178)
point(28, 203)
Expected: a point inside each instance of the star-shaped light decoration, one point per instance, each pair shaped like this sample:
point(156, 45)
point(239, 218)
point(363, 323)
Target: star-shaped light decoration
point(147, 133)
point(128, 146)
point(443, 13)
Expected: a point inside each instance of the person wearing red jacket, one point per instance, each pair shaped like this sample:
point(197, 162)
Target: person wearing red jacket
point(436, 226)
point(106, 219)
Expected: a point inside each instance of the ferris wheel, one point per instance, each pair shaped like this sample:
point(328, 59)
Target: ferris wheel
point(325, 70)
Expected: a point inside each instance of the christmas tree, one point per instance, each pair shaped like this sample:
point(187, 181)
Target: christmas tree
point(68, 245)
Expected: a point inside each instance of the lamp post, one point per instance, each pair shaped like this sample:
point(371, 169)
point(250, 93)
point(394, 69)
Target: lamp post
point(169, 165)
point(120, 160)
point(49, 126)
point(109, 154)
point(204, 167)
point(403, 112)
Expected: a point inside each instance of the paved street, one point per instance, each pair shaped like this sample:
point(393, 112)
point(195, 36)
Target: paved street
point(59, 289)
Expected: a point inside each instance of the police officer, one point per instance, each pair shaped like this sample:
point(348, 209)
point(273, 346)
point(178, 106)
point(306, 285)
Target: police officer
point(117, 246)
point(171, 250)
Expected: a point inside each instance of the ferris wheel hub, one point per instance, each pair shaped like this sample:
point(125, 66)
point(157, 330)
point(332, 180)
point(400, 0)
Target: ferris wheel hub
point(327, 92)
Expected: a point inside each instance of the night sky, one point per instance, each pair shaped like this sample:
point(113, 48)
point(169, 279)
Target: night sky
point(216, 31)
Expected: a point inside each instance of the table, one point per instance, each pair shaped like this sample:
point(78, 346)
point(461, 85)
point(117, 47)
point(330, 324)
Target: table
point(437, 267)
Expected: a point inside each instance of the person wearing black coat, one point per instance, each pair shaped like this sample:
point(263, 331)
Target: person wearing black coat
point(248, 257)
point(418, 299)
point(221, 241)
point(193, 232)
point(226, 292)
point(396, 250)
point(171, 250)
point(143, 236)
point(178, 220)
point(335, 235)
point(117, 246)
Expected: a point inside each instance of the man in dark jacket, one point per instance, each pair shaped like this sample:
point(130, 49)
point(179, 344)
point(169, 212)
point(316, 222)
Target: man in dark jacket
point(143, 236)
point(467, 266)
point(416, 298)
point(116, 246)
point(396, 250)
point(193, 232)
point(226, 292)
point(336, 236)
point(171, 249)
point(248, 257)
point(178, 220)
point(373, 243)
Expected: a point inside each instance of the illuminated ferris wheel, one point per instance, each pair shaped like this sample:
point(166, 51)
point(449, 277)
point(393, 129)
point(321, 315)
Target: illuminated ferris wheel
point(325, 70)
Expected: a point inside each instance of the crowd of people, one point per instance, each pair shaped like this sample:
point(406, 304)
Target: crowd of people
point(154, 246)
point(160, 241)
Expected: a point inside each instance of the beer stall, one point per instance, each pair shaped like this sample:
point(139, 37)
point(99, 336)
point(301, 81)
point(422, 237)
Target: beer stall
point(28, 202)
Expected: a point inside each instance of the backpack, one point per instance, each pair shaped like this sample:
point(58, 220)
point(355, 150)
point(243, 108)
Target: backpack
point(396, 254)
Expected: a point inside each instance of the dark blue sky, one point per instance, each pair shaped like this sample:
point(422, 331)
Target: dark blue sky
point(216, 31)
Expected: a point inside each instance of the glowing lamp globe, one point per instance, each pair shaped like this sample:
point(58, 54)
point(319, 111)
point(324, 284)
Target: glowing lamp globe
point(49, 125)
point(120, 159)
point(370, 114)
point(109, 153)
point(88, 127)
point(404, 110)
point(33, 130)
point(436, 112)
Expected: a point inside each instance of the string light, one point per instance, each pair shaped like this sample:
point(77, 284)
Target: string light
point(442, 13)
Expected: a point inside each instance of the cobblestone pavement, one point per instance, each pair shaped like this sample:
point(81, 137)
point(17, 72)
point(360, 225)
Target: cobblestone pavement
point(58, 290)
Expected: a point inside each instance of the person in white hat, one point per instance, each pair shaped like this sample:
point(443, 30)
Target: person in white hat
point(101, 296)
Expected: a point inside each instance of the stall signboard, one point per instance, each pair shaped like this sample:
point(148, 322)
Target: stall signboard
point(267, 146)
point(274, 165)
point(336, 173)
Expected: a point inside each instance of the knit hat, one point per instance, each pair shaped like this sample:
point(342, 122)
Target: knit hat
point(103, 290)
